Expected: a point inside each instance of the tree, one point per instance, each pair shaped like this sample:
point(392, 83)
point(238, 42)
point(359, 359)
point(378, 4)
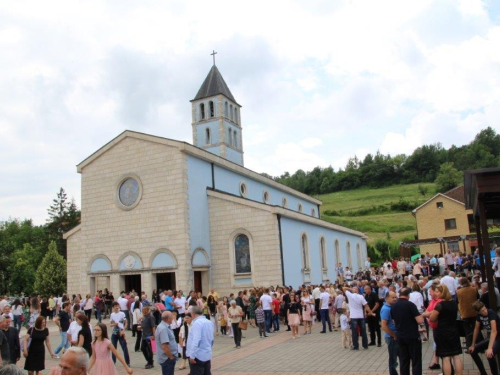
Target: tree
point(422, 190)
point(63, 216)
point(448, 177)
point(51, 274)
point(22, 270)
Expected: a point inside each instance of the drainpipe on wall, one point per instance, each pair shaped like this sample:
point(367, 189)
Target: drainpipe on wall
point(281, 251)
point(213, 176)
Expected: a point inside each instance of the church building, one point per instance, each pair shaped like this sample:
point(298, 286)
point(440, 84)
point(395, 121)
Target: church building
point(164, 214)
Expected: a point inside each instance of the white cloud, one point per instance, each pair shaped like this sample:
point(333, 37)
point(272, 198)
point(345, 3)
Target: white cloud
point(311, 142)
point(319, 82)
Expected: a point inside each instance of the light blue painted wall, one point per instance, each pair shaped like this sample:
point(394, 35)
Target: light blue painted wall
point(200, 133)
point(291, 231)
point(199, 178)
point(100, 265)
point(229, 181)
point(234, 156)
point(162, 260)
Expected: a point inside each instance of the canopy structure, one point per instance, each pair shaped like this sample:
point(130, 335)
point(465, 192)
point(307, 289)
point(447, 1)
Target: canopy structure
point(482, 196)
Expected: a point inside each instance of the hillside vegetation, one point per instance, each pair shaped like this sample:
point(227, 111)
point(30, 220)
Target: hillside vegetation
point(380, 213)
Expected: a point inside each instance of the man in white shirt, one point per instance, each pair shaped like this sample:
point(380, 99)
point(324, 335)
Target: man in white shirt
point(348, 275)
point(325, 299)
point(357, 307)
point(450, 260)
point(449, 280)
point(267, 302)
point(118, 323)
point(75, 328)
point(180, 304)
point(4, 302)
point(367, 264)
point(315, 295)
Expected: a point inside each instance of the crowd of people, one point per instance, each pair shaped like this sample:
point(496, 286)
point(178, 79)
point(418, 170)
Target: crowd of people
point(400, 303)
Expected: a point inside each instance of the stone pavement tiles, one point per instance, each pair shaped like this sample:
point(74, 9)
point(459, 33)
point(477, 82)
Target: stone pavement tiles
point(313, 354)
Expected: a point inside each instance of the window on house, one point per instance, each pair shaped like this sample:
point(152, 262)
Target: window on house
point(202, 111)
point(300, 207)
point(235, 140)
point(313, 212)
point(322, 248)
point(439, 204)
point(225, 109)
point(305, 252)
point(450, 224)
point(231, 112)
point(242, 254)
point(207, 136)
point(212, 109)
point(229, 137)
point(453, 246)
point(235, 115)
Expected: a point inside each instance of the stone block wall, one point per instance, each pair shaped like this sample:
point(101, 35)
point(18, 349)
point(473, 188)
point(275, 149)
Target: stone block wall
point(227, 219)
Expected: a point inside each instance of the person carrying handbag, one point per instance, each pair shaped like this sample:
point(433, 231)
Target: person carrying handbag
point(235, 313)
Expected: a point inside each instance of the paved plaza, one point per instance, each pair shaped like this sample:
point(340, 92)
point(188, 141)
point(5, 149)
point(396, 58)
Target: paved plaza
point(280, 354)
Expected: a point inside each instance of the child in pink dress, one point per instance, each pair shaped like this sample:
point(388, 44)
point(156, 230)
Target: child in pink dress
point(101, 362)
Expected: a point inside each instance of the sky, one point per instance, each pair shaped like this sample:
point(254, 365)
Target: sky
point(319, 81)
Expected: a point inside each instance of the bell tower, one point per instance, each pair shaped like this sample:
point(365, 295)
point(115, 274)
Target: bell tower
point(216, 119)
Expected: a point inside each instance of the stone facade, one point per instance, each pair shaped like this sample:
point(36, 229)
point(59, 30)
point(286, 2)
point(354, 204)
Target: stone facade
point(227, 220)
point(159, 221)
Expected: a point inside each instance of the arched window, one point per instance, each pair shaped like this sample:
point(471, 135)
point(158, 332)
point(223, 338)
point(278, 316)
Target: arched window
point(229, 137)
point(231, 112)
point(235, 139)
point(202, 111)
point(265, 196)
point(243, 189)
point(300, 207)
point(212, 109)
point(313, 212)
point(207, 136)
point(285, 202)
point(242, 254)
point(304, 246)
point(225, 109)
point(349, 256)
point(235, 115)
point(322, 249)
point(338, 259)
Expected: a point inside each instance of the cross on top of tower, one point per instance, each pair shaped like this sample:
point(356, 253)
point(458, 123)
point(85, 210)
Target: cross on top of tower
point(213, 55)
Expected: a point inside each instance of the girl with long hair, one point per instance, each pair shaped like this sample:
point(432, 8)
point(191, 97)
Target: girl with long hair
point(101, 362)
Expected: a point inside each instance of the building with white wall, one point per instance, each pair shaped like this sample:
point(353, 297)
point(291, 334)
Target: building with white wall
point(160, 213)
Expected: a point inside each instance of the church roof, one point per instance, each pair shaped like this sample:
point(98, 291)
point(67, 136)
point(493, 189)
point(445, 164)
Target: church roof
point(197, 152)
point(213, 85)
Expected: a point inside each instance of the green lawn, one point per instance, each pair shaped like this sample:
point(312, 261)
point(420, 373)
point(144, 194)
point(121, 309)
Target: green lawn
point(376, 226)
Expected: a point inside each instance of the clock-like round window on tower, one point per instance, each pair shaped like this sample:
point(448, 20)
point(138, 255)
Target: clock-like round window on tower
point(128, 192)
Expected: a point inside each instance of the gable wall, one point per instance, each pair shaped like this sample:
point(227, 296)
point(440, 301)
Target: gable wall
point(158, 221)
point(430, 219)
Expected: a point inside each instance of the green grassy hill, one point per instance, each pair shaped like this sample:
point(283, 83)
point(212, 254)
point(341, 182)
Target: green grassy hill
point(369, 210)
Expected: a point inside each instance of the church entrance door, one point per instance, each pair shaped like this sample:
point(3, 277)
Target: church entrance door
point(197, 282)
point(165, 281)
point(132, 282)
point(201, 282)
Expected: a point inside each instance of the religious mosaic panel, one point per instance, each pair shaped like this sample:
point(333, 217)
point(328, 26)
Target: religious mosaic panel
point(129, 192)
point(242, 254)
